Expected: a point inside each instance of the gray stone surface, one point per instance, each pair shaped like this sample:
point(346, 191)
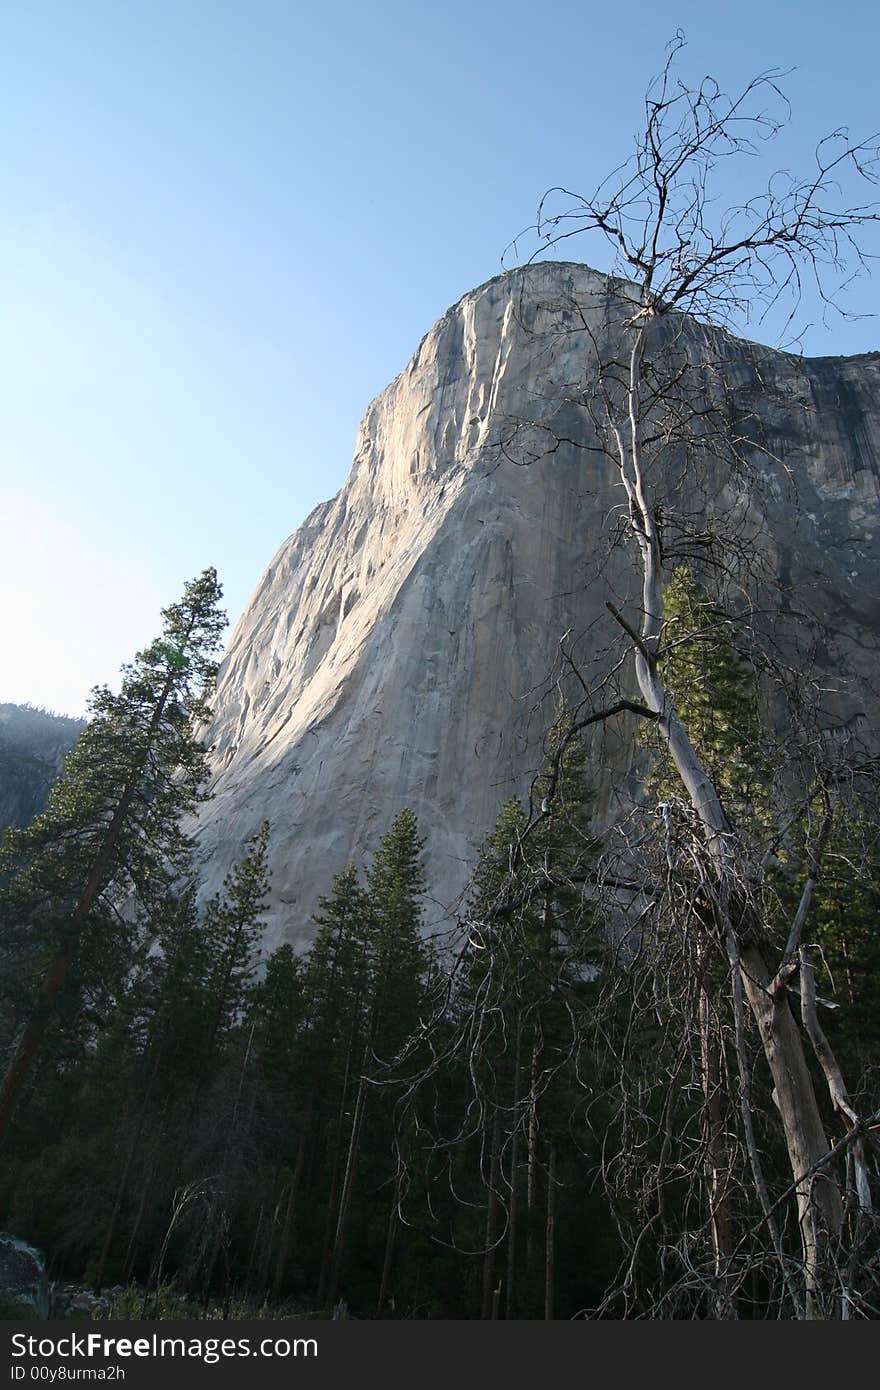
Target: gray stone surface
point(396, 648)
point(33, 746)
point(24, 1289)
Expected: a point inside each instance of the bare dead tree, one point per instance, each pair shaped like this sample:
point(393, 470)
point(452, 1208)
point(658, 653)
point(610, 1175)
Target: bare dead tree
point(654, 402)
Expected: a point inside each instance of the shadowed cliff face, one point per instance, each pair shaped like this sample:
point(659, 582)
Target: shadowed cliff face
point(396, 649)
point(33, 746)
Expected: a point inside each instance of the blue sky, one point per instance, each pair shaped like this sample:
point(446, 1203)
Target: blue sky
point(226, 227)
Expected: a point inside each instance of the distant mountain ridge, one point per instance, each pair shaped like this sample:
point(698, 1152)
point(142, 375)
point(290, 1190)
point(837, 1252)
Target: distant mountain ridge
point(33, 745)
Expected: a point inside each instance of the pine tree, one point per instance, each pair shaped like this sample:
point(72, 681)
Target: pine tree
point(843, 931)
point(335, 977)
point(311, 1050)
point(715, 694)
point(231, 926)
point(397, 966)
point(173, 990)
point(531, 944)
point(277, 1008)
point(111, 827)
point(398, 957)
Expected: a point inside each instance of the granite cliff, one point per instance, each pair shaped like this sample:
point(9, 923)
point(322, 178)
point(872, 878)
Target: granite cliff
point(33, 746)
point(397, 648)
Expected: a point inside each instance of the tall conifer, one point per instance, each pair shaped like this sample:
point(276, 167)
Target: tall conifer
point(112, 823)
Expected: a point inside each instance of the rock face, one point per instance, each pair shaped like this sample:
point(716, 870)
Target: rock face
point(24, 1289)
point(33, 746)
point(397, 649)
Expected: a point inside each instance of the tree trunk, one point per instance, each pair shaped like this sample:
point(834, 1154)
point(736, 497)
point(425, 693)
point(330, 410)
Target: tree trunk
point(717, 1158)
point(820, 1209)
point(345, 1199)
point(131, 1251)
point(327, 1246)
point(513, 1214)
point(290, 1211)
point(126, 1170)
point(532, 1161)
point(252, 1257)
point(268, 1251)
point(819, 1204)
point(117, 1201)
point(550, 1239)
point(489, 1298)
point(390, 1242)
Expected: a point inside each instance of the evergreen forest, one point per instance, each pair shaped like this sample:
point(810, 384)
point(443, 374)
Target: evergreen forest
point(553, 1107)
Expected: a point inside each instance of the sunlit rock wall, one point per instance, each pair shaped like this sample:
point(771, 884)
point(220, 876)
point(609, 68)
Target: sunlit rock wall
point(396, 651)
